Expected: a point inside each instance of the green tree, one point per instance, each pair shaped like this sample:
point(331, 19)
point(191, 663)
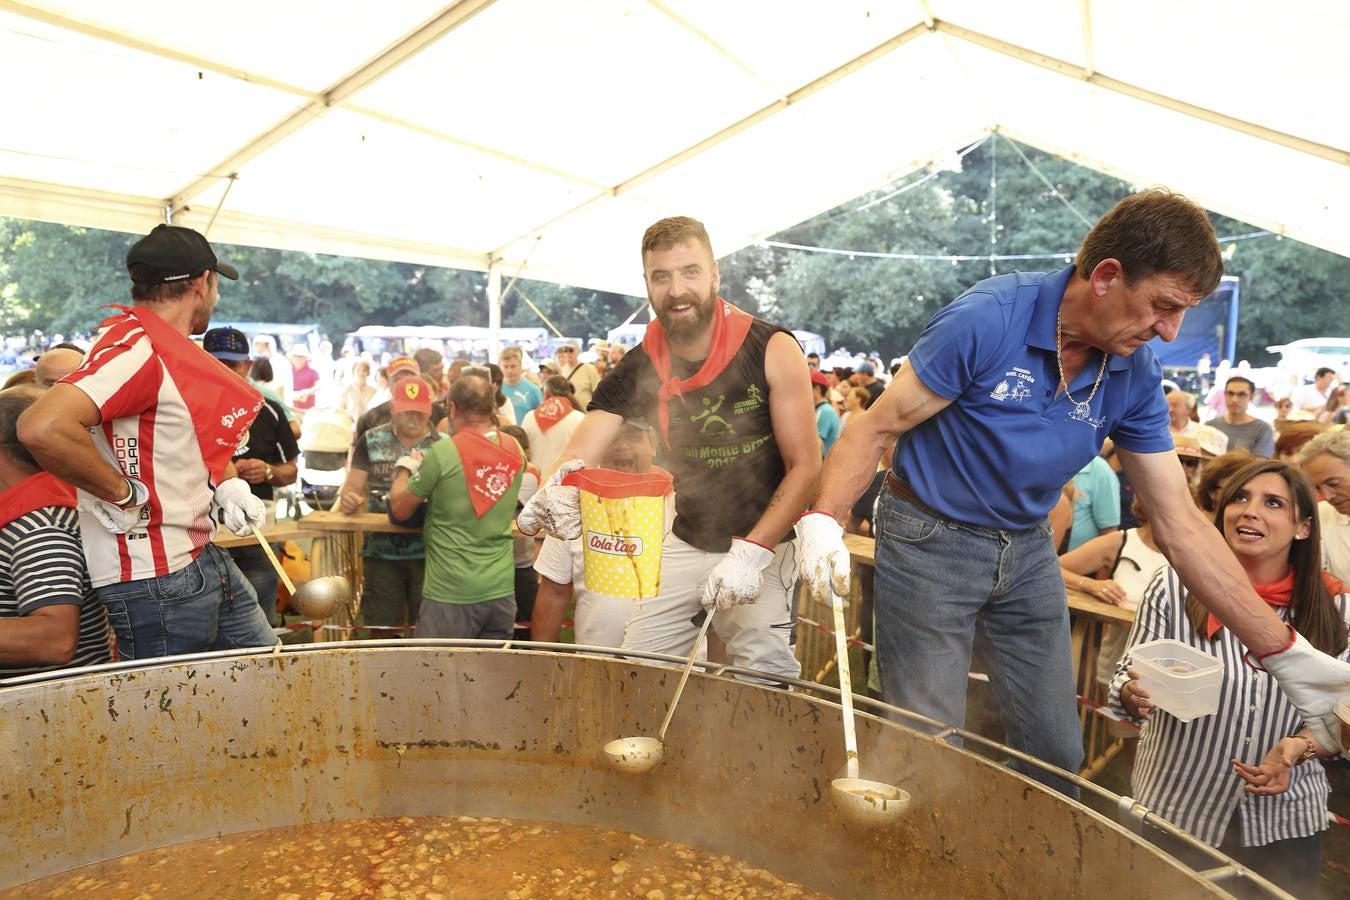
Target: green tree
point(577, 312)
point(1003, 199)
point(54, 278)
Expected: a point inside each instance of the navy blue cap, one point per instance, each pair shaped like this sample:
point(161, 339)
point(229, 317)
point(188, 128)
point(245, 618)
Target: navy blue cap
point(228, 344)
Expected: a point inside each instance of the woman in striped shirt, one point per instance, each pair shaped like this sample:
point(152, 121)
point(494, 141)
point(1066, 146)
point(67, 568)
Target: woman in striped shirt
point(1267, 513)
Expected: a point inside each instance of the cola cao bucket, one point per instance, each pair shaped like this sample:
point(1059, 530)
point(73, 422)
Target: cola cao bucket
point(623, 522)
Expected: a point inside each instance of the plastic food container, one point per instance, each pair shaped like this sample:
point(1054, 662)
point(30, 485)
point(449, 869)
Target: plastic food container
point(623, 524)
point(1178, 678)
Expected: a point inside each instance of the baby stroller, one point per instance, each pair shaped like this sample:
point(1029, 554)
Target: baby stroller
point(325, 439)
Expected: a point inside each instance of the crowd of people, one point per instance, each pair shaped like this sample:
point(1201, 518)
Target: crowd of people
point(1026, 443)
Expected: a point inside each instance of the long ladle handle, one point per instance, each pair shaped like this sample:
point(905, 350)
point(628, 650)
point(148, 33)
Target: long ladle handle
point(267, 548)
point(684, 676)
point(845, 686)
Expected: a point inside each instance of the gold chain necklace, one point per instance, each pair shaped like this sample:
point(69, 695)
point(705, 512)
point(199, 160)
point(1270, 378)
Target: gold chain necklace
point(1081, 411)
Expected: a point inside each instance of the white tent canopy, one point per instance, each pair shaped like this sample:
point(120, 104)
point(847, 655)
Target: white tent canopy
point(549, 133)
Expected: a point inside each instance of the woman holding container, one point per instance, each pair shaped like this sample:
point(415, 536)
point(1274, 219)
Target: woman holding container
point(1185, 769)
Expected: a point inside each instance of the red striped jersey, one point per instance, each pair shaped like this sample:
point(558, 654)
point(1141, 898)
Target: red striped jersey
point(147, 432)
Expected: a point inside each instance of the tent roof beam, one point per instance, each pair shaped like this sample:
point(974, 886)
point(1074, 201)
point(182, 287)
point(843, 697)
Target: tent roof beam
point(389, 59)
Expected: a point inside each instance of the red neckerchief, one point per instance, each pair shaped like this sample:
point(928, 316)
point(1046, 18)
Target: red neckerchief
point(489, 469)
point(551, 412)
point(1277, 593)
point(221, 403)
point(1335, 587)
point(35, 492)
point(730, 326)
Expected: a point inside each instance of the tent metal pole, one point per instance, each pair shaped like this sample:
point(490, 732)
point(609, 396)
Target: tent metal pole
point(1097, 79)
point(402, 50)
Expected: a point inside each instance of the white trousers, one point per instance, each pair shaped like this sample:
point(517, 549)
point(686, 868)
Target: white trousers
point(757, 635)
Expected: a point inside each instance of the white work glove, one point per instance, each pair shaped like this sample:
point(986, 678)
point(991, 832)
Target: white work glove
point(117, 519)
point(239, 509)
point(825, 562)
point(1313, 682)
point(555, 509)
point(412, 462)
point(738, 577)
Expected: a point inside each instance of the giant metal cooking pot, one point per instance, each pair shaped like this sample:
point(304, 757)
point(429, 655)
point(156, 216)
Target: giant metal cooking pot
point(126, 758)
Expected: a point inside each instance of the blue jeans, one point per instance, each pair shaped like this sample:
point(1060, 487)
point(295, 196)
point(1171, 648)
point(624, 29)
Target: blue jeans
point(257, 569)
point(940, 586)
point(206, 605)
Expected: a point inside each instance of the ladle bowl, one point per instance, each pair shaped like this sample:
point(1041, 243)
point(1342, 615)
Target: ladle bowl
point(639, 755)
point(634, 755)
point(318, 597)
point(869, 803)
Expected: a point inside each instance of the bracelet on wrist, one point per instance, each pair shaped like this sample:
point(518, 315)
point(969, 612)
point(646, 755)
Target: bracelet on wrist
point(1310, 753)
point(131, 494)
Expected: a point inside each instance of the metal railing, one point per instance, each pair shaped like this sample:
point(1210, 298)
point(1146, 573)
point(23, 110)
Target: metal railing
point(1218, 869)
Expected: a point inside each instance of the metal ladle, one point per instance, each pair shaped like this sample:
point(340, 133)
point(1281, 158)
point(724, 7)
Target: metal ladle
point(868, 803)
point(316, 598)
point(638, 755)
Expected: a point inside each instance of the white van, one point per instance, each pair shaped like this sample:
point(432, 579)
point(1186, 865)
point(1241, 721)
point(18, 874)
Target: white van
point(1305, 356)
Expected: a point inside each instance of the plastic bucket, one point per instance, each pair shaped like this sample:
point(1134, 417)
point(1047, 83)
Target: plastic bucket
point(623, 519)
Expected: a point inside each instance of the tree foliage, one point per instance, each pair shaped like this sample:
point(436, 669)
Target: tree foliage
point(1002, 199)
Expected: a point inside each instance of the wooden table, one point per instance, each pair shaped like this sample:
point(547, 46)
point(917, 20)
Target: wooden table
point(337, 551)
point(1087, 617)
point(276, 533)
point(331, 521)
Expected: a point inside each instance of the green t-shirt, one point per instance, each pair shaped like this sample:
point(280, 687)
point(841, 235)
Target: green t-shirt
point(469, 560)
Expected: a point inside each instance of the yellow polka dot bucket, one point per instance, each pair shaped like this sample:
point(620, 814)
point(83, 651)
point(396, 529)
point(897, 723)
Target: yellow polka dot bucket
point(623, 518)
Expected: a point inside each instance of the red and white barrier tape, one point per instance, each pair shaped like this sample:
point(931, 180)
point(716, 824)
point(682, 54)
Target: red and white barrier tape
point(830, 631)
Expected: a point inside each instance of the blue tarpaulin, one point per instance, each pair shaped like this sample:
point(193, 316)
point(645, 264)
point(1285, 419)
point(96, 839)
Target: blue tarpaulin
point(1209, 328)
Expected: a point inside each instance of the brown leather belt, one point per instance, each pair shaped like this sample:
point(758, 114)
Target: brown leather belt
point(900, 488)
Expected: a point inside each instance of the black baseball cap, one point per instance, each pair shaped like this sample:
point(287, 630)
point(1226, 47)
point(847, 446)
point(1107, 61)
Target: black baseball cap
point(228, 344)
point(172, 253)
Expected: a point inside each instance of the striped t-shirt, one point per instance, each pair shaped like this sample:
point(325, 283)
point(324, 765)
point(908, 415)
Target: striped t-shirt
point(42, 564)
point(147, 432)
point(1184, 771)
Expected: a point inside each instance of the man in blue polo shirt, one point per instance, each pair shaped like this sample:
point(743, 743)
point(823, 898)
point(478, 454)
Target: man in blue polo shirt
point(1010, 390)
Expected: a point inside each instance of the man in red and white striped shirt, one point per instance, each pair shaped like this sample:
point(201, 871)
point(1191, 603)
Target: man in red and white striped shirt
point(145, 429)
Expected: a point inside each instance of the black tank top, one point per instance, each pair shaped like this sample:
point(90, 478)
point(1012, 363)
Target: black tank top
point(721, 449)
